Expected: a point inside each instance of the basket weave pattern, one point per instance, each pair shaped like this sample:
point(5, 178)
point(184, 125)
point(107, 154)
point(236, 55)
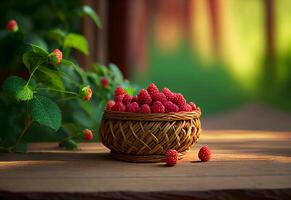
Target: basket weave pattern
point(139, 137)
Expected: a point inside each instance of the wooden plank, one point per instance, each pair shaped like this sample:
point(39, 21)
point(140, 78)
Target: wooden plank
point(242, 160)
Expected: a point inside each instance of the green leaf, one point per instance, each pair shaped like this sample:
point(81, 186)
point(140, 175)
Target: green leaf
point(100, 69)
point(45, 111)
point(32, 60)
point(116, 73)
point(88, 11)
point(50, 77)
point(40, 51)
point(13, 84)
point(24, 93)
point(69, 144)
point(78, 42)
point(58, 35)
point(77, 69)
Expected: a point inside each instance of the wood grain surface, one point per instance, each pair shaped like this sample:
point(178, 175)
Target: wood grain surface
point(241, 160)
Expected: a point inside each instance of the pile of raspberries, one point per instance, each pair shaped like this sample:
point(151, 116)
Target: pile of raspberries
point(150, 100)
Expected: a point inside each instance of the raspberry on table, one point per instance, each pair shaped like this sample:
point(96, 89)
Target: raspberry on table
point(88, 134)
point(153, 89)
point(145, 108)
point(204, 154)
point(171, 107)
point(132, 107)
point(110, 104)
point(159, 97)
point(158, 107)
point(118, 106)
point(171, 157)
point(144, 97)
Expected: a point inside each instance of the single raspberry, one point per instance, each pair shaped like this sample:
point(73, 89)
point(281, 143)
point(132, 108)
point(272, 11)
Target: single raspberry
point(88, 134)
point(12, 26)
point(134, 99)
point(153, 89)
point(171, 157)
point(119, 98)
point(86, 93)
point(58, 55)
point(119, 91)
point(169, 95)
point(204, 154)
point(104, 82)
point(159, 97)
point(171, 107)
point(143, 97)
point(185, 108)
point(118, 106)
point(158, 107)
point(126, 99)
point(193, 106)
point(132, 107)
point(179, 99)
point(110, 104)
point(145, 108)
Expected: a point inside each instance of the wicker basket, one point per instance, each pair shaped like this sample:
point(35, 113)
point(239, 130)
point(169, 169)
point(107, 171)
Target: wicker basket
point(138, 137)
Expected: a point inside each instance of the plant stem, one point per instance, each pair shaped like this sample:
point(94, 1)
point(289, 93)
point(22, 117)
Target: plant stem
point(67, 98)
point(34, 70)
point(61, 91)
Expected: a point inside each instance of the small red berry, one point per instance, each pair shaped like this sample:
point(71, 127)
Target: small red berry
point(179, 100)
point(86, 93)
point(143, 97)
point(59, 56)
point(158, 107)
point(171, 107)
point(12, 26)
point(204, 154)
point(110, 104)
point(159, 97)
point(134, 99)
point(118, 106)
point(132, 107)
point(153, 89)
point(145, 108)
point(185, 107)
point(119, 98)
point(119, 91)
point(104, 82)
point(126, 99)
point(170, 95)
point(88, 134)
point(193, 106)
point(171, 157)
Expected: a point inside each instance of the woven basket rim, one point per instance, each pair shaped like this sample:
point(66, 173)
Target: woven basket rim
point(151, 116)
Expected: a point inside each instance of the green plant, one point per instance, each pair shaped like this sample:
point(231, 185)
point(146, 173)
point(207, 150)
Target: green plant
point(51, 101)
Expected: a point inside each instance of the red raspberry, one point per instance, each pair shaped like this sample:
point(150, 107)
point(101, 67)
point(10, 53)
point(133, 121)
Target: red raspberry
point(145, 108)
point(169, 95)
point(153, 89)
point(104, 82)
point(119, 98)
point(59, 56)
point(171, 107)
point(118, 106)
point(134, 99)
point(158, 107)
point(204, 154)
point(193, 106)
point(126, 99)
point(185, 107)
point(179, 99)
point(143, 97)
point(12, 26)
point(132, 107)
point(110, 104)
point(119, 91)
point(171, 157)
point(88, 134)
point(159, 97)
point(86, 93)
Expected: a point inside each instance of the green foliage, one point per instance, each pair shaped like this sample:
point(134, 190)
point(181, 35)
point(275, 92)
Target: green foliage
point(13, 84)
point(88, 11)
point(24, 93)
point(77, 41)
point(45, 111)
point(32, 60)
point(69, 144)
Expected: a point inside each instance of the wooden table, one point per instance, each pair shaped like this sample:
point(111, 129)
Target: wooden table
point(242, 160)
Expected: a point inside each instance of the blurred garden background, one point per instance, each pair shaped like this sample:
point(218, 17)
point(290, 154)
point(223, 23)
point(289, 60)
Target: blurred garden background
point(231, 57)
